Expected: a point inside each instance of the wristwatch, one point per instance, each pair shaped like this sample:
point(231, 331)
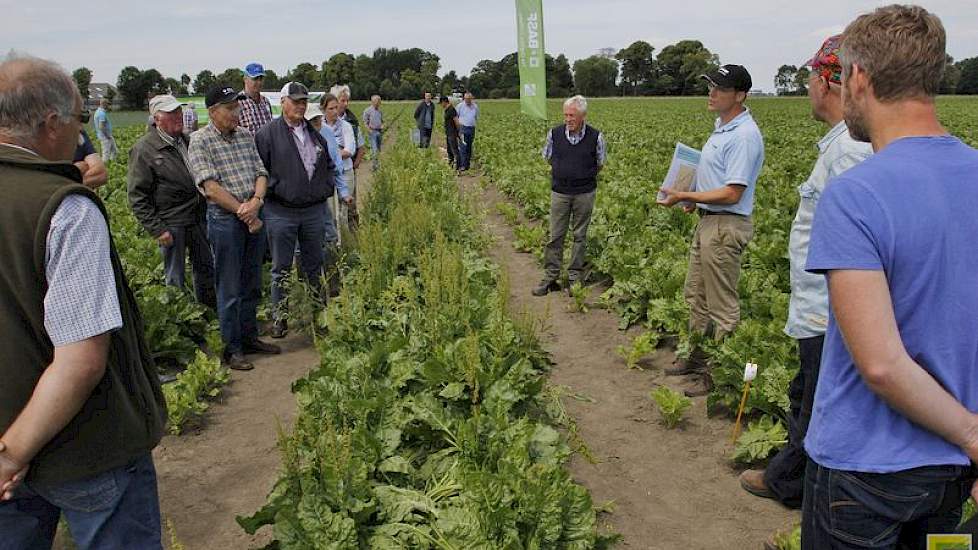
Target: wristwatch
point(261, 201)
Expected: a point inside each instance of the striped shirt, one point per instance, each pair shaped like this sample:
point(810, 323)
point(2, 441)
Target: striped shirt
point(232, 161)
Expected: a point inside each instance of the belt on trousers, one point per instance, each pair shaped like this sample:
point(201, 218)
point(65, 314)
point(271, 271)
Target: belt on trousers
point(705, 212)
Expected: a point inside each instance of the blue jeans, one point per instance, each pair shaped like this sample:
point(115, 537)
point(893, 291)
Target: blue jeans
point(287, 227)
point(785, 473)
point(425, 138)
point(844, 510)
point(375, 137)
point(119, 508)
point(192, 239)
point(466, 147)
point(237, 260)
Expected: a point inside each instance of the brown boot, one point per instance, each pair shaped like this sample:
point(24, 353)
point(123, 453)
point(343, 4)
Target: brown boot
point(752, 481)
point(703, 387)
point(694, 364)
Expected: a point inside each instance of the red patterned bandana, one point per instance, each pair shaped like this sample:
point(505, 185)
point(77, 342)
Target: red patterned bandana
point(826, 61)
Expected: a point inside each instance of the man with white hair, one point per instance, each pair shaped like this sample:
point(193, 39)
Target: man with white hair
point(229, 171)
point(373, 119)
point(165, 200)
point(80, 403)
point(301, 180)
point(576, 152)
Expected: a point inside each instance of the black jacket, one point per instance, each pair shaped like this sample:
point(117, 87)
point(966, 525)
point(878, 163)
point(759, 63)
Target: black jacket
point(423, 111)
point(161, 189)
point(288, 183)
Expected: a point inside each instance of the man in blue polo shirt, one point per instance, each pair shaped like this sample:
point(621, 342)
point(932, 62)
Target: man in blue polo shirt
point(724, 197)
point(894, 432)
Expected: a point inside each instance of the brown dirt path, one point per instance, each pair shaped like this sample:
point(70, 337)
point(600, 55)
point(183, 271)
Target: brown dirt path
point(228, 465)
point(670, 489)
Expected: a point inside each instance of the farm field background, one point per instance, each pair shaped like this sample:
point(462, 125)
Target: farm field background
point(643, 247)
point(639, 253)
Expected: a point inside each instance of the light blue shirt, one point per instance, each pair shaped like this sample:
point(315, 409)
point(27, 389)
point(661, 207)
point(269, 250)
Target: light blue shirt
point(734, 154)
point(808, 309)
point(103, 126)
point(333, 148)
point(907, 212)
point(468, 116)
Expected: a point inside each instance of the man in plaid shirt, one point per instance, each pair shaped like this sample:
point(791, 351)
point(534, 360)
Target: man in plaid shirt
point(190, 121)
point(226, 166)
point(256, 110)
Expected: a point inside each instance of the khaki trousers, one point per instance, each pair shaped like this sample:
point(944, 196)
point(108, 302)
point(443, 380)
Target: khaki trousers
point(714, 270)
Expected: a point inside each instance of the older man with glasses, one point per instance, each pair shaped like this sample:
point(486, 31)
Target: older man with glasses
point(80, 403)
point(300, 183)
point(229, 171)
point(167, 203)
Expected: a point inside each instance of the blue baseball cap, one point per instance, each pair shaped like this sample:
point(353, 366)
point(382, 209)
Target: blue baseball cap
point(254, 70)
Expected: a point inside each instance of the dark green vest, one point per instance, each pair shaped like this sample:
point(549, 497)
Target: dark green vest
point(125, 414)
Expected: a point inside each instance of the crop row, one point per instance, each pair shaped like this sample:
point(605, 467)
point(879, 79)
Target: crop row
point(426, 425)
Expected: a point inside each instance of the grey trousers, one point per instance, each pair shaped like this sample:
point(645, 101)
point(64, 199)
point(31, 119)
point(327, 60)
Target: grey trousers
point(573, 211)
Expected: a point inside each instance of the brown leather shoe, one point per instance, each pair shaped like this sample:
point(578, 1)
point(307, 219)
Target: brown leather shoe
point(753, 482)
point(694, 364)
point(257, 346)
point(703, 387)
point(237, 361)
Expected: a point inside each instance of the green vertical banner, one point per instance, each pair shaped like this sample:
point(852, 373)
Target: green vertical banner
point(533, 70)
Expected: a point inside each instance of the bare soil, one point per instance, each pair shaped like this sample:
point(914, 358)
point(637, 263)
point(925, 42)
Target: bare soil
point(669, 489)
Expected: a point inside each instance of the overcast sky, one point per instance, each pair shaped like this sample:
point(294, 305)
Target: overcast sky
point(179, 37)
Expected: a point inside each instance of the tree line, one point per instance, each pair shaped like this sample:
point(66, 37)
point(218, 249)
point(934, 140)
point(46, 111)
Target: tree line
point(637, 70)
point(959, 78)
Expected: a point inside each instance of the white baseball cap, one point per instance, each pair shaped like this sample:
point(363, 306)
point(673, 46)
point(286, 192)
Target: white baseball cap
point(166, 103)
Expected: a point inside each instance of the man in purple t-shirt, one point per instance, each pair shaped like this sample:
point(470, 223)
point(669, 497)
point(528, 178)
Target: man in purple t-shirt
point(893, 431)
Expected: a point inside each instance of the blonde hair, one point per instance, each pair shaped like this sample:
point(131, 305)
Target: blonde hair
point(901, 49)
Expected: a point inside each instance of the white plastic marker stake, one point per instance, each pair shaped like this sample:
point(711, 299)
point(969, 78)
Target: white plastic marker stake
point(750, 373)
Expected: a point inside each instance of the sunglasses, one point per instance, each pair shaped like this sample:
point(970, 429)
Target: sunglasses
point(84, 116)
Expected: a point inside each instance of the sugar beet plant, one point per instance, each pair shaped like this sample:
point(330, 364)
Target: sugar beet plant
point(423, 426)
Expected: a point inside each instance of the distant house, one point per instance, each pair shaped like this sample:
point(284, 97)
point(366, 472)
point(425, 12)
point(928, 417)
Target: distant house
point(97, 91)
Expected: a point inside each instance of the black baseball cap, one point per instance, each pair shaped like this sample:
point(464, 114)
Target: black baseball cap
point(730, 76)
point(295, 91)
point(221, 94)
